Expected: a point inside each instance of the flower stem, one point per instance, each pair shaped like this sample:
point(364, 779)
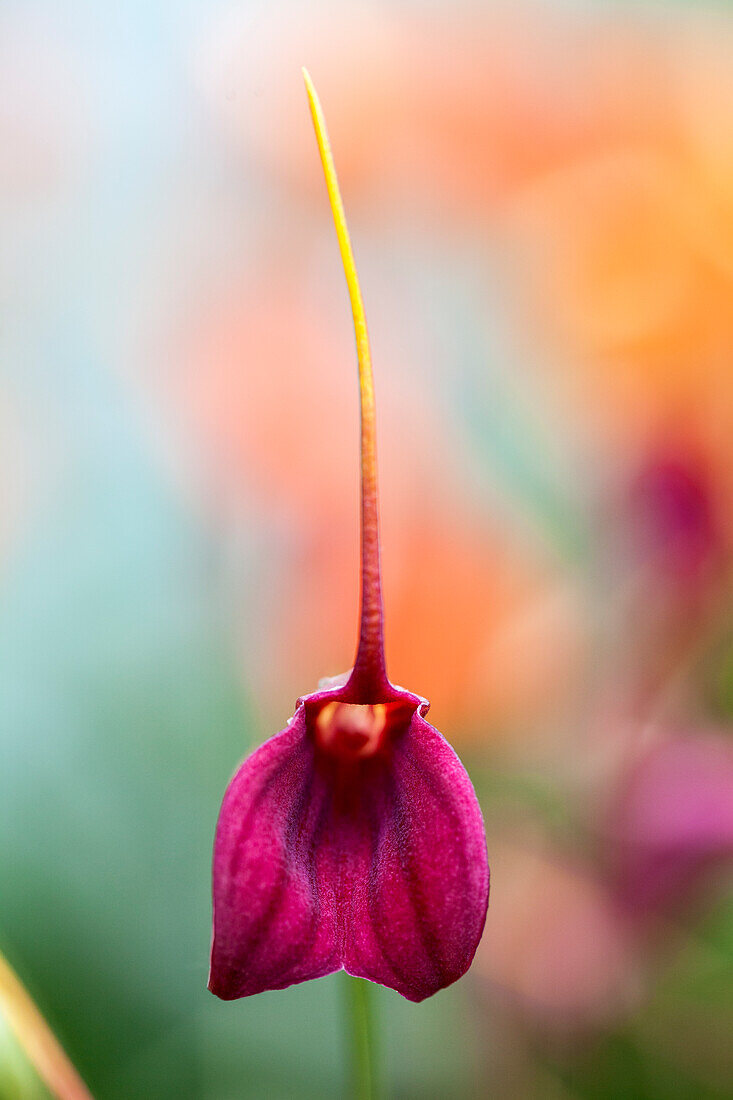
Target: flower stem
point(361, 1039)
point(369, 673)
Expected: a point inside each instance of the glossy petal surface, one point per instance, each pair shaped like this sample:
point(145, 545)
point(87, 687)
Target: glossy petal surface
point(378, 866)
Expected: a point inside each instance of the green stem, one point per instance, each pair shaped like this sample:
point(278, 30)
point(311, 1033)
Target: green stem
point(361, 1039)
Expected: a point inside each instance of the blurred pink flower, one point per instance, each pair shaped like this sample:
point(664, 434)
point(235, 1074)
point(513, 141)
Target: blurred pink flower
point(672, 820)
point(671, 557)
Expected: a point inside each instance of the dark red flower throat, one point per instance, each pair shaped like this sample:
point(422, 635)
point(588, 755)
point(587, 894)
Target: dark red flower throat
point(357, 731)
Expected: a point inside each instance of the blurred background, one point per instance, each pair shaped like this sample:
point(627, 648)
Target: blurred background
point(541, 201)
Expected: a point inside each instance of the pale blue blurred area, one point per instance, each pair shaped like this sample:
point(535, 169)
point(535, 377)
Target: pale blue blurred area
point(122, 714)
point(122, 717)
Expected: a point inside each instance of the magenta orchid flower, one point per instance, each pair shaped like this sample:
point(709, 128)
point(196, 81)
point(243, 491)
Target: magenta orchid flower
point(352, 839)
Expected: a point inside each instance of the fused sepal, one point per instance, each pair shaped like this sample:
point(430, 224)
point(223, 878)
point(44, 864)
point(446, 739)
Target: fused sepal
point(323, 860)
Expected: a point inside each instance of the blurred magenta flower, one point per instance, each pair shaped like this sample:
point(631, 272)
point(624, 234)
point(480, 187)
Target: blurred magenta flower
point(673, 511)
point(353, 839)
point(675, 554)
point(673, 820)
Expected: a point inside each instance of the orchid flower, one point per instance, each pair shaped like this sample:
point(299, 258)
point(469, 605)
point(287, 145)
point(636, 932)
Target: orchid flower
point(352, 839)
